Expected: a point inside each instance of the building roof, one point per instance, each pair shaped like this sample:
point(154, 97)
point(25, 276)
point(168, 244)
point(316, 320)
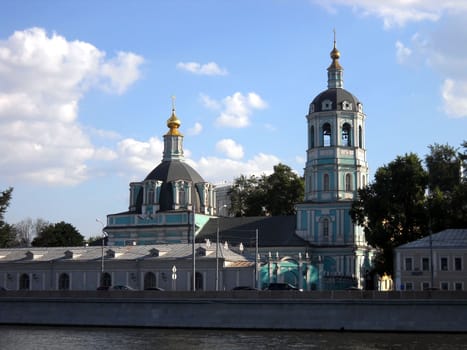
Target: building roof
point(336, 96)
point(92, 253)
point(174, 170)
point(273, 231)
point(450, 238)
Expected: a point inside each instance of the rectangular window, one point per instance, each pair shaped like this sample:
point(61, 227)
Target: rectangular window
point(325, 228)
point(444, 285)
point(458, 264)
point(444, 264)
point(408, 286)
point(458, 286)
point(408, 264)
point(425, 264)
point(425, 285)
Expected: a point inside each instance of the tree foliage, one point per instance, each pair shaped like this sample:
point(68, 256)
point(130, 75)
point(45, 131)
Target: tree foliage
point(392, 208)
point(275, 194)
point(447, 200)
point(7, 233)
point(60, 234)
point(284, 189)
point(443, 165)
point(396, 207)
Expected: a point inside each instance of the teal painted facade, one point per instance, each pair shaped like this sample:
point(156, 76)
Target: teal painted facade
point(335, 169)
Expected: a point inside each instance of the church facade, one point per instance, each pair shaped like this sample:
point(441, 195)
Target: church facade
point(336, 167)
point(170, 204)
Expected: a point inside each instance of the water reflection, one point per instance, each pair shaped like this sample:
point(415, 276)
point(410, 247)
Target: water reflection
point(77, 338)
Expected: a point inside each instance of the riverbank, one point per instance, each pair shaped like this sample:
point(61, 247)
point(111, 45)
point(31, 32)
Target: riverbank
point(430, 311)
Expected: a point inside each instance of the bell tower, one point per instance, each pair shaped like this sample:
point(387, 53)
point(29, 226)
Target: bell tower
point(335, 169)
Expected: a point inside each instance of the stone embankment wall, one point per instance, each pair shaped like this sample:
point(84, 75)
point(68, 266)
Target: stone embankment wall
point(431, 311)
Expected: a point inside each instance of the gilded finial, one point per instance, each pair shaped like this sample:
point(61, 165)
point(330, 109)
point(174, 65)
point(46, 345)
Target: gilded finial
point(335, 54)
point(173, 123)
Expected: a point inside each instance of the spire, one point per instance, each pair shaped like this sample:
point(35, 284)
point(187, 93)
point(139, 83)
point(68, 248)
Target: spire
point(335, 70)
point(173, 140)
point(173, 123)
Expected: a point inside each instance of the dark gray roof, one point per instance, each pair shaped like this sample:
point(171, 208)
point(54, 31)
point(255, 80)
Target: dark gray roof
point(273, 231)
point(450, 238)
point(174, 170)
point(168, 171)
point(336, 96)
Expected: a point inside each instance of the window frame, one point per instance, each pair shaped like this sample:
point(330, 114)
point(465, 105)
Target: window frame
point(443, 263)
point(406, 260)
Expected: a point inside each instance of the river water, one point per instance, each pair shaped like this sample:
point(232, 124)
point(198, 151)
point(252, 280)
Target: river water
point(80, 338)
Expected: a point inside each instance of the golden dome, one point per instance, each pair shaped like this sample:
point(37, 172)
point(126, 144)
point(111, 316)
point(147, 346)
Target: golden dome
point(173, 123)
point(335, 53)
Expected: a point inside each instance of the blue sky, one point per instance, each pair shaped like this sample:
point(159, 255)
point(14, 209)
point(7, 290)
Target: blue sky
point(86, 86)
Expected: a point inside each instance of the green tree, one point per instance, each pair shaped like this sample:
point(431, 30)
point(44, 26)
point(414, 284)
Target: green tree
point(275, 194)
point(443, 165)
point(447, 200)
point(284, 189)
point(7, 232)
point(392, 208)
point(60, 234)
point(247, 196)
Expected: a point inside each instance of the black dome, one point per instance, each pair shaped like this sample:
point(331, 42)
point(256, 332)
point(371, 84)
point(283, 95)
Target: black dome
point(169, 171)
point(337, 96)
point(174, 170)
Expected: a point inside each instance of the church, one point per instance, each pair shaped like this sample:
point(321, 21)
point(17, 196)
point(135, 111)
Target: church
point(173, 204)
point(162, 206)
point(174, 218)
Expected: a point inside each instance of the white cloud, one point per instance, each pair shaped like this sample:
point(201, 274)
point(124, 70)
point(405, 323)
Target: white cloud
point(437, 51)
point(455, 97)
point(398, 12)
point(230, 148)
point(210, 68)
point(237, 109)
point(122, 71)
point(139, 156)
point(42, 80)
point(196, 129)
point(221, 170)
point(440, 49)
point(403, 53)
point(209, 102)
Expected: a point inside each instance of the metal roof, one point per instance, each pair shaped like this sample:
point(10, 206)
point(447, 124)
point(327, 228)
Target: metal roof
point(166, 251)
point(450, 238)
point(273, 231)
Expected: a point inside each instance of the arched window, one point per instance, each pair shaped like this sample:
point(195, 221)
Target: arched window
point(348, 182)
point(64, 282)
point(327, 135)
point(325, 228)
point(24, 282)
point(182, 197)
point(312, 136)
point(346, 135)
point(360, 137)
point(149, 280)
point(326, 182)
point(106, 279)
